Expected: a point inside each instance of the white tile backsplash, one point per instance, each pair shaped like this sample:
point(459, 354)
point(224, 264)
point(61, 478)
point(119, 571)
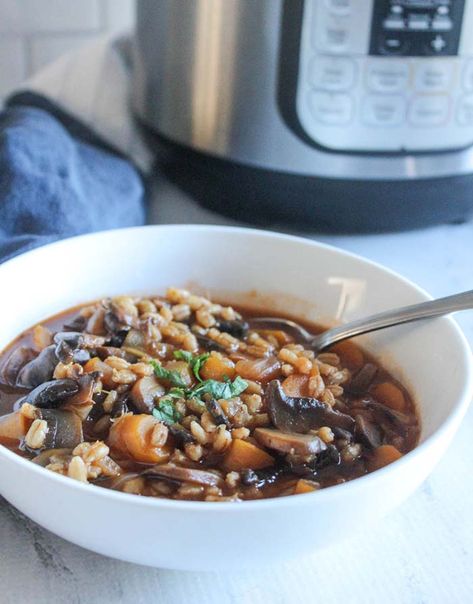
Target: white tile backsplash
point(35, 32)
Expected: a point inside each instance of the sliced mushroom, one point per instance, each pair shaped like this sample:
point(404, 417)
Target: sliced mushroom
point(39, 370)
point(64, 352)
point(134, 339)
point(298, 444)
point(396, 417)
point(14, 363)
point(121, 310)
point(64, 428)
point(367, 432)
point(179, 474)
point(81, 402)
point(95, 323)
point(209, 344)
point(103, 352)
point(53, 393)
point(361, 381)
point(44, 458)
point(236, 328)
point(77, 323)
point(216, 411)
point(79, 339)
point(301, 414)
point(325, 459)
point(342, 434)
point(144, 392)
point(180, 434)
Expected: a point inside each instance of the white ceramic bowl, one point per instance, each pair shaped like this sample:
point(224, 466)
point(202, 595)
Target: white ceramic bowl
point(294, 274)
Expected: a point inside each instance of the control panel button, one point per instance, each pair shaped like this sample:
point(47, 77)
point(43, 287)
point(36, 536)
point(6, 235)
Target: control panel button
point(332, 73)
point(387, 75)
point(334, 109)
point(339, 7)
point(393, 44)
point(434, 75)
point(465, 110)
point(418, 21)
point(467, 76)
point(429, 110)
point(393, 22)
point(437, 44)
point(383, 110)
point(442, 24)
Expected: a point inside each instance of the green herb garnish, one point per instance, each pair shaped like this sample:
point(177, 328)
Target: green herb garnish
point(166, 412)
point(183, 355)
point(166, 374)
point(227, 389)
point(194, 362)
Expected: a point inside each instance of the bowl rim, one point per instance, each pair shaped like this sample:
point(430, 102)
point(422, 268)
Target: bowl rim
point(324, 495)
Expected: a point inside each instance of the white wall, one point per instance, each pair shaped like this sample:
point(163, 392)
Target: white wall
point(34, 32)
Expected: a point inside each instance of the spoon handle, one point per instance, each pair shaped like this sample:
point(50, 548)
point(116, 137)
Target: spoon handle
point(424, 310)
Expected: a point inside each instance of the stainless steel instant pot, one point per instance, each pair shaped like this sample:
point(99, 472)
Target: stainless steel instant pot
point(330, 114)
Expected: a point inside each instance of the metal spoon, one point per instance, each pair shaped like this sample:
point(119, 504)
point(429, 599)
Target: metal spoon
point(415, 312)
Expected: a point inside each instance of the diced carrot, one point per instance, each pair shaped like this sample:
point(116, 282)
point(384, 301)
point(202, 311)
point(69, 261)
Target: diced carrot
point(296, 384)
point(14, 426)
point(258, 370)
point(382, 456)
point(390, 395)
point(243, 455)
point(352, 357)
point(95, 364)
point(218, 368)
point(131, 435)
point(303, 486)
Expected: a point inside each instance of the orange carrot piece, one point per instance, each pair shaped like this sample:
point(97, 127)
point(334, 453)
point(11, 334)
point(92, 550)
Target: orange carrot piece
point(382, 456)
point(96, 364)
point(243, 455)
point(216, 368)
point(132, 434)
point(352, 357)
point(390, 395)
point(303, 486)
point(296, 384)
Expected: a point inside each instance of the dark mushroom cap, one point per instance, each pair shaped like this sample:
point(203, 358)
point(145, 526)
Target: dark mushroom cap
point(301, 414)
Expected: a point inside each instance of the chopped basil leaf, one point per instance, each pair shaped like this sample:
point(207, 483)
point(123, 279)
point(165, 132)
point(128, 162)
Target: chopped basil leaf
point(173, 376)
point(197, 363)
point(183, 355)
point(194, 362)
point(166, 412)
point(176, 393)
point(218, 390)
point(226, 389)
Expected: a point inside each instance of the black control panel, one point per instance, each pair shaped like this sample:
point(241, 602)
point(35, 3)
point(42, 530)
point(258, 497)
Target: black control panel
point(416, 28)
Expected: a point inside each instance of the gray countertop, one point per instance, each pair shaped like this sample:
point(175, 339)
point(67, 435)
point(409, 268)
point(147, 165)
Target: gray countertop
point(421, 553)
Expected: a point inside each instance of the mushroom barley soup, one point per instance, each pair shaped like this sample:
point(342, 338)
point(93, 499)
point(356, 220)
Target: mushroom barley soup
point(178, 397)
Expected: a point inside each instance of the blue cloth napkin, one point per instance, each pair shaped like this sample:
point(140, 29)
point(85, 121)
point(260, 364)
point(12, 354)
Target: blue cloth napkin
point(57, 180)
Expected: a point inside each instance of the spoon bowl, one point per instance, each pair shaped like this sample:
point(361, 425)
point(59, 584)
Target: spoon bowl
point(390, 318)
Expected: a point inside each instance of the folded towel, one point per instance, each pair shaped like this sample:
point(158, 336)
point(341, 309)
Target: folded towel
point(62, 173)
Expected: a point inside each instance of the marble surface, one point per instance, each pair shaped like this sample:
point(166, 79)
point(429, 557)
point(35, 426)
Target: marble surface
point(421, 554)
